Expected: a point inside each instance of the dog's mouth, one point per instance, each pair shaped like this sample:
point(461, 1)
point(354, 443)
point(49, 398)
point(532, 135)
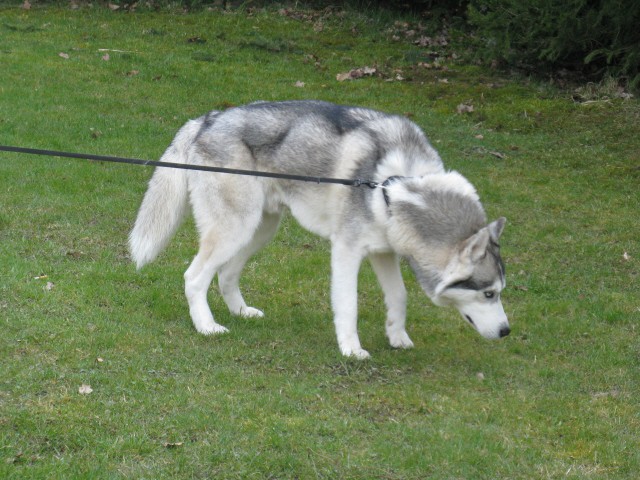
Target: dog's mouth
point(503, 332)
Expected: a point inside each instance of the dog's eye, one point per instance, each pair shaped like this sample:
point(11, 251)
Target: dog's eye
point(489, 294)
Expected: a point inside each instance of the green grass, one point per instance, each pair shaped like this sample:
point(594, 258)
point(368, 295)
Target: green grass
point(274, 398)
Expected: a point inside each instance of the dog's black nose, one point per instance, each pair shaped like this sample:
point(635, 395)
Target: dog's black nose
point(504, 331)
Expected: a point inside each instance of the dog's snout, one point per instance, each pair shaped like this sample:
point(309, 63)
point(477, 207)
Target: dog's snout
point(504, 331)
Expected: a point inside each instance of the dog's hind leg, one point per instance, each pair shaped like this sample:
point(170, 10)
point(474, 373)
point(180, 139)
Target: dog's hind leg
point(229, 274)
point(198, 277)
point(226, 227)
point(387, 269)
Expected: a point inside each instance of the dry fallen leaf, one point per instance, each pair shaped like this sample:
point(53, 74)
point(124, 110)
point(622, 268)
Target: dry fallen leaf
point(299, 84)
point(26, 5)
point(614, 393)
point(356, 73)
point(424, 41)
point(464, 108)
point(18, 458)
point(64, 55)
point(85, 389)
point(499, 155)
point(173, 444)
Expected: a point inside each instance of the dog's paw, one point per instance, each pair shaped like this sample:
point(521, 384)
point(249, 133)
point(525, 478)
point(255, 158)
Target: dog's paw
point(400, 340)
point(250, 312)
point(214, 329)
point(357, 353)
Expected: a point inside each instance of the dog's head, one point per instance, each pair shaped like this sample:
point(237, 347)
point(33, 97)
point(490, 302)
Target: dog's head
point(438, 223)
point(473, 281)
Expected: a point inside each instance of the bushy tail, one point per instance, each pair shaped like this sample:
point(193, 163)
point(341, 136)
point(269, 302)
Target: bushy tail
point(165, 202)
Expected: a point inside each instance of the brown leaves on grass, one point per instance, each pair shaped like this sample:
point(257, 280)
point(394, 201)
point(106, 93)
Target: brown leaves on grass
point(196, 39)
point(395, 76)
point(433, 66)
point(417, 35)
point(356, 73)
point(493, 153)
point(315, 17)
point(429, 49)
point(437, 41)
point(464, 108)
point(170, 445)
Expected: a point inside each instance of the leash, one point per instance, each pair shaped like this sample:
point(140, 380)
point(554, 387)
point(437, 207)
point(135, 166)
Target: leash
point(357, 182)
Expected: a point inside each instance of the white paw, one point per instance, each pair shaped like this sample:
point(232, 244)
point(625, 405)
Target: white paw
point(214, 329)
point(358, 353)
point(250, 312)
point(400, 340)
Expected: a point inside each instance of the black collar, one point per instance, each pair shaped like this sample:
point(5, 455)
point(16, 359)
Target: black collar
point(385, 184)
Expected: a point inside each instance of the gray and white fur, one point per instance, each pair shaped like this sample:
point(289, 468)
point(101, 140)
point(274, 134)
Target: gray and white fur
point(422, 212)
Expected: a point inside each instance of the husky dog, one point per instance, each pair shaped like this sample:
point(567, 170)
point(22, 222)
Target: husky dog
point(419, 211)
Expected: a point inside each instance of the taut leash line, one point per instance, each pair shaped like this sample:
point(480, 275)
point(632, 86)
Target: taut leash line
point(185, 166)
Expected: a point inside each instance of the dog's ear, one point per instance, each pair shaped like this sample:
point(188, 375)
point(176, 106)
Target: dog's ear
point(495, 228)
point(475, 247)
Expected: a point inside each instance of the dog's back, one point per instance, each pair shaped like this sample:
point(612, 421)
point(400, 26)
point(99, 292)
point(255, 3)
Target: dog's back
point(318, 139)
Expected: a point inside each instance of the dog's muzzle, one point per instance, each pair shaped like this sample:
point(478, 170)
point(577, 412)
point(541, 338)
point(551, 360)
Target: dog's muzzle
point(504, 331)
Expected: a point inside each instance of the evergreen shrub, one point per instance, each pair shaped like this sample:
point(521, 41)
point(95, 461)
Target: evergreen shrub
point(594, 37)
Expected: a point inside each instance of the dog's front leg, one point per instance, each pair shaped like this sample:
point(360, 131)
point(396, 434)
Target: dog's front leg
point(345, 264)
point(387, 268)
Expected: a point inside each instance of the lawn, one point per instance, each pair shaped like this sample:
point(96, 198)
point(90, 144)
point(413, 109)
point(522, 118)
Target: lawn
point(101, 372)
